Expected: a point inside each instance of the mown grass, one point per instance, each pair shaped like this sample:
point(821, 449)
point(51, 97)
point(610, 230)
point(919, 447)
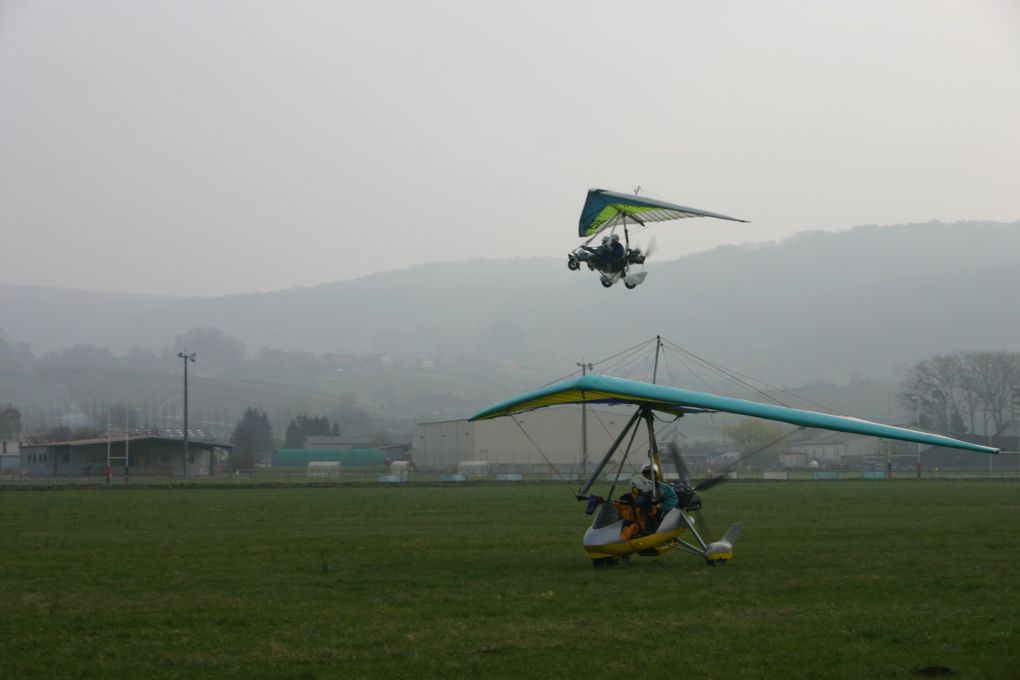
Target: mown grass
point(831, 579)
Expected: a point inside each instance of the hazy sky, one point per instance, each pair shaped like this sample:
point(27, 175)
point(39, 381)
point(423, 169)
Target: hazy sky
point(196, 147)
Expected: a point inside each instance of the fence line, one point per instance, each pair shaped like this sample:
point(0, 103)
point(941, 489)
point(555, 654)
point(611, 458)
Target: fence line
point(270, 476)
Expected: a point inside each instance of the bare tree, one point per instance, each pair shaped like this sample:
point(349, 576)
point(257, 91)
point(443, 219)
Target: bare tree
point(934, 388)
point(10, 422)
point(992, 377)
point(949, 390)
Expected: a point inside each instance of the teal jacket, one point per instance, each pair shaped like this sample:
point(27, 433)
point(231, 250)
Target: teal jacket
point(667, 497)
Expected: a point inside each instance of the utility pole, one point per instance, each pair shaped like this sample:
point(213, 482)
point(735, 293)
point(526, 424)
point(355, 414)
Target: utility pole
point(585, 367)
point(186, 357)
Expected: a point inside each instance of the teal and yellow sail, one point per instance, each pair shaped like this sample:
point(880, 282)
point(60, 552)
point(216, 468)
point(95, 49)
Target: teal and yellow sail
point(602, 389)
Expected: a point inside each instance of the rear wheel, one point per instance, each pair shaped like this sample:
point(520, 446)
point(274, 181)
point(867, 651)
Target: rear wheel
point(606, 283)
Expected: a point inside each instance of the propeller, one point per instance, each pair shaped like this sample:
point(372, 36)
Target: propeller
point(706, 484)
point(689, 499)
point(679, 464)
point(651, 248)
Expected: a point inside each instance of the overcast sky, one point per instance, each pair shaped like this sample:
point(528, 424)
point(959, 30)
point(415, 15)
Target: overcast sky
point(204, 148)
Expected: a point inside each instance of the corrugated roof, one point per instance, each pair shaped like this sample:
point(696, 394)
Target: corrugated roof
point(200, 443)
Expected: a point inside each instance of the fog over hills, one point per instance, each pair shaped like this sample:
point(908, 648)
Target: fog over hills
point(818, 306)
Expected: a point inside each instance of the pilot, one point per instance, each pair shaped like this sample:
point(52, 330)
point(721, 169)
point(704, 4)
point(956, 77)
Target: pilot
point(667, 497)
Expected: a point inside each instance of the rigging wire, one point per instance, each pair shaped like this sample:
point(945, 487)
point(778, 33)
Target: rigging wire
point(601, 361)
point(669, 368)
point(630, 368)
point(599, 418)
point(747, 456)
point(743, 379)
point(537, 447)
point(730, 375)
point(679, 357)
point(626, 365)
point(794, 395)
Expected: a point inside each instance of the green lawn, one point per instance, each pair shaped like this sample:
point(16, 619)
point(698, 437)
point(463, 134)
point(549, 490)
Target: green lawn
point(830, 579)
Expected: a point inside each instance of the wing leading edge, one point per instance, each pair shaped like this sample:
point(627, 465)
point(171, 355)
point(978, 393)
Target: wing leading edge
point(595, 388)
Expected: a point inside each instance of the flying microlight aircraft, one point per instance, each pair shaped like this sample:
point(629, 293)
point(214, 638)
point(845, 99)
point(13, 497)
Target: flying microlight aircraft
point(603, 212)
point(625, 526)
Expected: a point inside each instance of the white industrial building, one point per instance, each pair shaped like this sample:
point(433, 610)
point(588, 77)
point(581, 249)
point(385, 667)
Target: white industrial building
point(506, 448)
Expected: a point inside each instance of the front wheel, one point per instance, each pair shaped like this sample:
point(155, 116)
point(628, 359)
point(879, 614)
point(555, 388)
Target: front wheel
point(629, 286)
point(572, 264)
point(606, 283)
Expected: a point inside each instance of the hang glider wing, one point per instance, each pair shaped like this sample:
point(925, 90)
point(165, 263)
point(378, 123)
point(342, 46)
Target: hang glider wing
point(601, 389)
point(604, 209)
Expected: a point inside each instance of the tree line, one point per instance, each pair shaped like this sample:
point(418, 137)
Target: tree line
point(253, 436)
point(975, 392)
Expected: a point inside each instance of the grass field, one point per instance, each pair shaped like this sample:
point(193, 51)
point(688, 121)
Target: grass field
point(830, 579)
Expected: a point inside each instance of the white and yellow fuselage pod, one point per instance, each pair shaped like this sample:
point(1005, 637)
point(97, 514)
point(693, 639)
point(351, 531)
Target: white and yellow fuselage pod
point(605, 538)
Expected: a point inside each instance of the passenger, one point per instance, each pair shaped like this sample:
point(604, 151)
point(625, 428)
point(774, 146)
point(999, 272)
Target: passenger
point(638, 509)
point(648, 506)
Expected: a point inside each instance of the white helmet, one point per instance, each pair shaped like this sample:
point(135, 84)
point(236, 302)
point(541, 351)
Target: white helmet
point(605, 239)
point(647, 469)
point(642, 483)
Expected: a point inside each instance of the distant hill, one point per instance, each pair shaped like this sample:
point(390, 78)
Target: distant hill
point(818, 306)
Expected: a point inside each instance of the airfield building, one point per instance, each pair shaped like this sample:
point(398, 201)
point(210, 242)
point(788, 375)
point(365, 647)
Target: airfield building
point(555, 441)
point(147, 455)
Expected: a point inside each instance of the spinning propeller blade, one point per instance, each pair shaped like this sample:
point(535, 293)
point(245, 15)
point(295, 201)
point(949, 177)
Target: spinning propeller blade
point(685, 474)
point(678, 463)
point(706, 484)
point(652, 247)
point(685, 478)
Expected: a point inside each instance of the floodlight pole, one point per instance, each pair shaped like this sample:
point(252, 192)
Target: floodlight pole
point(585, 367)
point(186, 357)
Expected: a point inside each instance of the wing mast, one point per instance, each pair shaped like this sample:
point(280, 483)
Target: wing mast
point(653, 444)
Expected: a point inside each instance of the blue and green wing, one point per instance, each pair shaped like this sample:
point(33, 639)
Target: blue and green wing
point(604, 209)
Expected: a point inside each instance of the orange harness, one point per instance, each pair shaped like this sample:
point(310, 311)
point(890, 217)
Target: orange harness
point(635, 519)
